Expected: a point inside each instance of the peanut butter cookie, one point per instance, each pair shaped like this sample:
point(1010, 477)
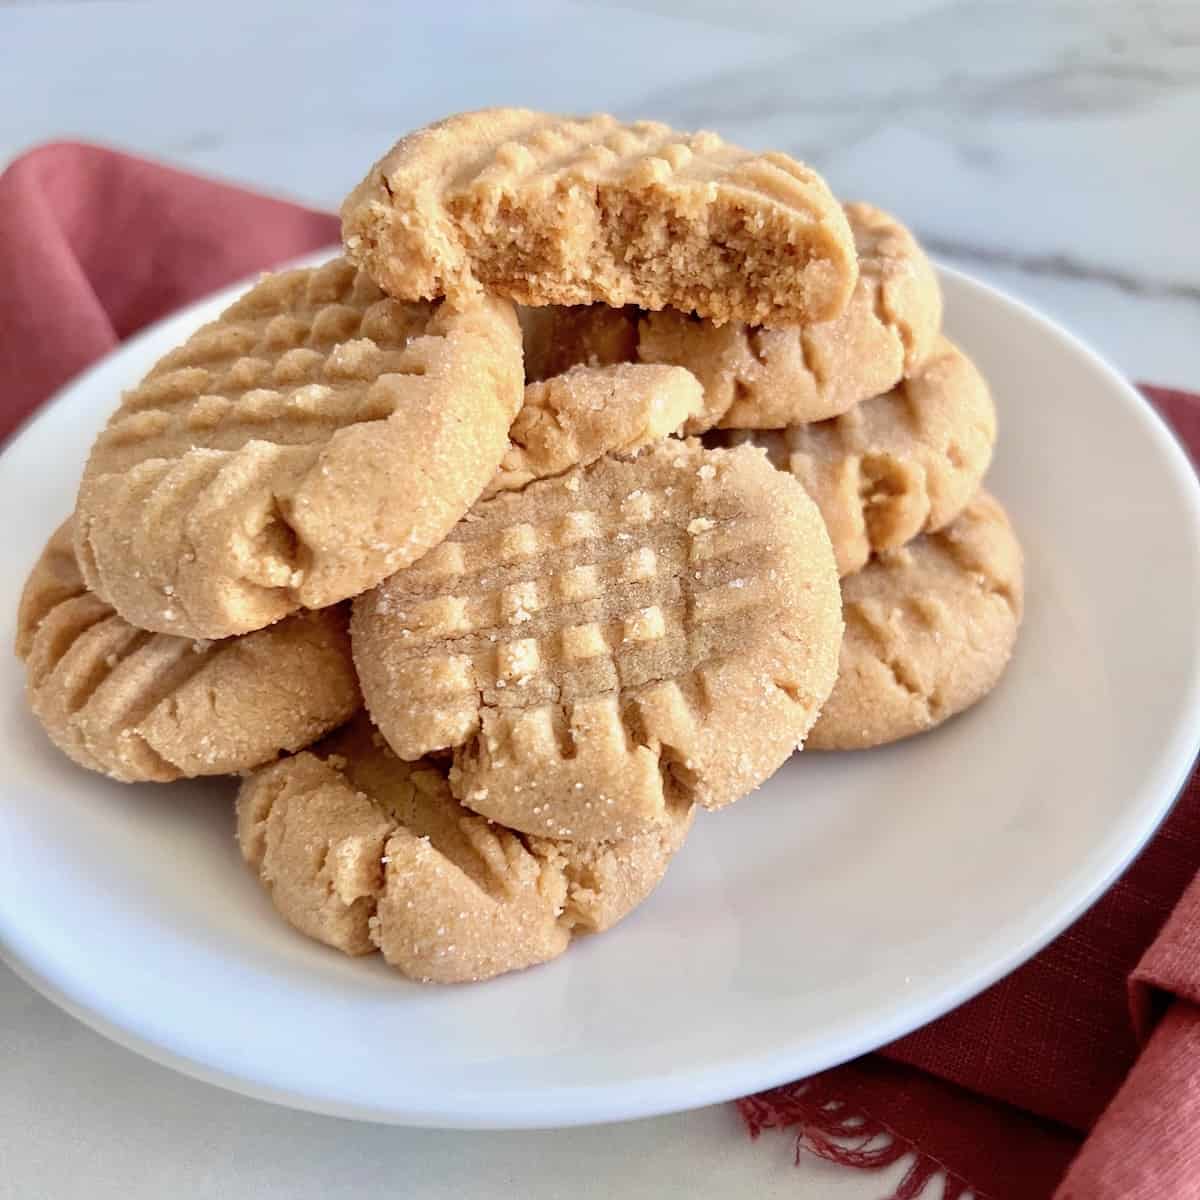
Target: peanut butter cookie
point(295, 452)
point(608, 645)
point(574, 418)
point(364, 852)
point(895, 466)
point(557, 210)
point(929, 630)
point(144, 706)
point(767, 378)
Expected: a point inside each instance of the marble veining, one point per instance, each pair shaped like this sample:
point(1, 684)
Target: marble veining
point(1057, 266)
point(1051, 148)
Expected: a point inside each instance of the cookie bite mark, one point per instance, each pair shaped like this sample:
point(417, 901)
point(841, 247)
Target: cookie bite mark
point(757, 378)
point(365, 852)
point(930, 629)
point(139, 706)
point(895, 466)
point(553, 210)
point(667, 638)
point(314, 438)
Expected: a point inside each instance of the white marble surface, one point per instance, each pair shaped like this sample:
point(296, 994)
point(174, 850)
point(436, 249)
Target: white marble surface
point(82, 1118)
point(1052, 148)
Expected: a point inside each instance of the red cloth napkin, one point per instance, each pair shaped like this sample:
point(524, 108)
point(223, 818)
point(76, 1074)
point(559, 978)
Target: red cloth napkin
point(1089, 1055)
point(95, 244)
point(1051, 1055)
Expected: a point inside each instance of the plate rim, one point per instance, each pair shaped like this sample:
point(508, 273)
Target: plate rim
point(712, 1082)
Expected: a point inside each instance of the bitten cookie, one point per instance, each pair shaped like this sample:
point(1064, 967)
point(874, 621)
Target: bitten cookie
point(294, 452)
point(929, 630)
point(556, 210)
point(364, 852)
point(143, 706)
point(574, 418)
point(767, 378)
point(895, 466)
point(609, 645)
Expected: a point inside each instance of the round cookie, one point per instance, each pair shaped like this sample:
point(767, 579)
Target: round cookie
point(929, 630)
point(141, 706)
point(765, 379)
point(557, 210)
point(608, 645)
point(296, 451)
point(895, 466)
point(574, 418)
point(364, 852)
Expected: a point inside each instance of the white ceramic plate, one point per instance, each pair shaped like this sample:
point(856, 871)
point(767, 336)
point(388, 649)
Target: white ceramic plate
point(852, 899)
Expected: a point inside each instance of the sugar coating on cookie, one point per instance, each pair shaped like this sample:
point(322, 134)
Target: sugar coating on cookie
point(151, 707)
point(574, 418)
point(365, 852)
point(605, 646)
point(557, 210)
point(929, 630)
point(898, 465)
point(313, 439)
point(758, 378)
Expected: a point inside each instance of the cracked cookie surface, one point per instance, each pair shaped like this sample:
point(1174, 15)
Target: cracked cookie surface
point(306, 444)
point(767, 378)
point(365, 852)
point(605, 646)
point(895, 466)
point(557, 210)
point(574, 418)
point(929, 630)
point(141, 706)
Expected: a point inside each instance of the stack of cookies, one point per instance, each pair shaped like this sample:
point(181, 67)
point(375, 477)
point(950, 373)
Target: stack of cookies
point(490, 551)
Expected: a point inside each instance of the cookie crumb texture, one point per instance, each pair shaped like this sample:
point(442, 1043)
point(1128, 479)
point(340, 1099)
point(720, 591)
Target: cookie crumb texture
point(757, 378)
point(575, 418)
point(929, 631)
point(895, 466)
point(140, 706)
point(604, 648)
point(364, 852)
point(553, 210)
point(296, 451)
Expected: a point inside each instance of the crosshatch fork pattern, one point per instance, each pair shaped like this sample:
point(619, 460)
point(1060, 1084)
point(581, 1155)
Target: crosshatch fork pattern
point(601, 148)
point(896, 465)
point(929, 629)
point(641, 632)
point(289, 363)
point(144, 706)
point(552, 210)
point(580, 601)
point(206, 512)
